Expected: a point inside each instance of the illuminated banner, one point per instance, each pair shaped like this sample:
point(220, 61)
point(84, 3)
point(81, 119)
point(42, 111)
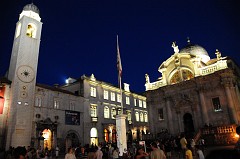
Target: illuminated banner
point(72, 117)
point(2, 89)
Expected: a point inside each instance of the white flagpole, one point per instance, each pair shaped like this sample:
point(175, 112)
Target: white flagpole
point(120, 118)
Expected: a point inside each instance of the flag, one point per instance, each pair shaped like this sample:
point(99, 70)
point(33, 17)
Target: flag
point(119, 64)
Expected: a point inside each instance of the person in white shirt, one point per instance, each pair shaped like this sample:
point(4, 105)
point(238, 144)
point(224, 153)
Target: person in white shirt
point(199, 152)
point(57, 151)
point(99, 153)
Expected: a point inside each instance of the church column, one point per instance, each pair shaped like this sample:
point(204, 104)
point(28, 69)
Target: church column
point(169, 114)
point(228, 83)
point(179, 121)
point(204, 108)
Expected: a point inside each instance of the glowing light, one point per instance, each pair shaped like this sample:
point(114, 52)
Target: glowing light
point(236, 135)
point(46, 134)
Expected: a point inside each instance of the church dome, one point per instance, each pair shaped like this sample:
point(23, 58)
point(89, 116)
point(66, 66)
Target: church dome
point(194, 49)
point(31, 7)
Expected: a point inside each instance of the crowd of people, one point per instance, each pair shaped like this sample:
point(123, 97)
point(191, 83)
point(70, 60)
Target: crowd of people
point(174, 147)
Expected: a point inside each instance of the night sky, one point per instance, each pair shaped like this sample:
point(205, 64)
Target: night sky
point(79, 36)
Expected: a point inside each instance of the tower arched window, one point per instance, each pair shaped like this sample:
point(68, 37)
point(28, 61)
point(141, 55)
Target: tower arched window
point(18, 29)
point(31, 30)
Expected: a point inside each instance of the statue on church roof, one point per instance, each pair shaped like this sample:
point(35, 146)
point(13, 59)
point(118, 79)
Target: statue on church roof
point(218, 54)
point(175, 47)
point(147, 78)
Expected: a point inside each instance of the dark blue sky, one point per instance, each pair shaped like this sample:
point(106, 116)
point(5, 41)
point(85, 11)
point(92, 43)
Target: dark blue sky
point(79, 36)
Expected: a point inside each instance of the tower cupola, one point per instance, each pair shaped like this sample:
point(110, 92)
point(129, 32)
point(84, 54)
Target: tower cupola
point(32, 11)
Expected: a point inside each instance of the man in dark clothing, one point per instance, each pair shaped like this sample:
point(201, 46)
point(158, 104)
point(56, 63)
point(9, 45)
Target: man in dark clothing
point(19, 152)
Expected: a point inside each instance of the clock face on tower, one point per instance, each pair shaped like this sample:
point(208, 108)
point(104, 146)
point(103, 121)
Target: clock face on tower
point(25, 73)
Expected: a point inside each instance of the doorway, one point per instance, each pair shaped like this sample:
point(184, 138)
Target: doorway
point(188, 125)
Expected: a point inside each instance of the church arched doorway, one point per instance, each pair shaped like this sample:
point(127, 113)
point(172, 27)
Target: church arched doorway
point(188, 124)
point(72, 140)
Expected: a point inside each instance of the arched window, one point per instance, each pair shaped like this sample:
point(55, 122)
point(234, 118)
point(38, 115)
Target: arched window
point(93, 132)
point(137, 116)
point(129, 116)
point(31, 30)
point(145, 117)
point(113, 113)
point(114, 137)
point(106, 112)
point(106, 135)
point(141, 117)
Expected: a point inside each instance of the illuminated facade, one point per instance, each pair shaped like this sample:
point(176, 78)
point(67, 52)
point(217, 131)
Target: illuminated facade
point(193, 91)
point(102, 102)
point(82, 111)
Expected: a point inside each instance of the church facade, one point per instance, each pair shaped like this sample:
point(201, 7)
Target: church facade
point(82, 111)
point(193, 91)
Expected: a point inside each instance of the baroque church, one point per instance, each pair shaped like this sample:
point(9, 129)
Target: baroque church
point(195, 92)
point(84, 110)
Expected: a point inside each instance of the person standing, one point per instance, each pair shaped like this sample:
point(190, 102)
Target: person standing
point(57, 151)
point(115, 153)
point(183, 143)
point(70, 154)
point(40, 153)
point(91, 154)
point(156, 152)
point(199, 152)
point(99, 153)
point(192, 142)
point(20, 153)
point(140, 154)
point(188, 152)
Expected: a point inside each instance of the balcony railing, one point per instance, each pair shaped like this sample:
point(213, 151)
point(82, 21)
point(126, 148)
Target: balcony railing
point(94, 119)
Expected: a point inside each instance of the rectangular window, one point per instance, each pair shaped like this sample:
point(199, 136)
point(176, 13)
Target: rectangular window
point(128, 100)
point(135, 102)
point(118, 98)
point(145, 117)
point(93, 110)
point(137, 116)
point(105, 94)
point(140, 103)
point(216, 104)
point(56, 104)
point(144, 104)
point(160, 114)
point(113, 96)
point(93, 92)
point(106, 112)
point(38, 101)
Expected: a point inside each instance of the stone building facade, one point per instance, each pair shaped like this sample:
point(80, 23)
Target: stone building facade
point(102, 102)
point(194, 91)
point(81, 111)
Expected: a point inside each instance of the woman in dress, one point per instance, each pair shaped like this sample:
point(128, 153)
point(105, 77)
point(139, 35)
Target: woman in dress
point(141, 154)
point(70, 154)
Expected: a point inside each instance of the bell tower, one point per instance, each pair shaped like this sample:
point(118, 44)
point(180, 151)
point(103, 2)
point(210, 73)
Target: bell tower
point(22, 73)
